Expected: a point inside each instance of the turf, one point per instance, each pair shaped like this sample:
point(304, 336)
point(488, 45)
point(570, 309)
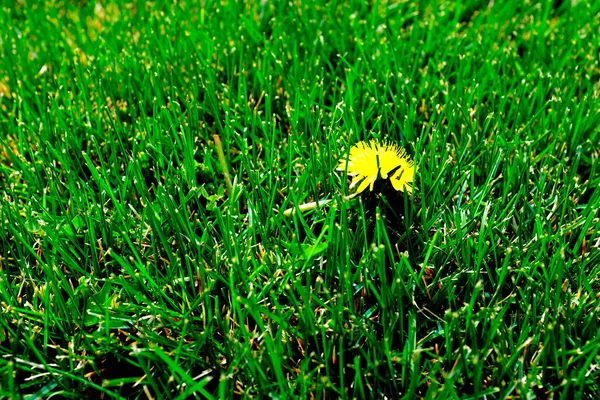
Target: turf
point(149, 150)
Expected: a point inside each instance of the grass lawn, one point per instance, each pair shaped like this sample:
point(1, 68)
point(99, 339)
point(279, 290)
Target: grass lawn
point(157, 164)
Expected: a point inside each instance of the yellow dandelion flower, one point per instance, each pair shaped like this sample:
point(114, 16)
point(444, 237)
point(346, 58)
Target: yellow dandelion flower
point(368, 161)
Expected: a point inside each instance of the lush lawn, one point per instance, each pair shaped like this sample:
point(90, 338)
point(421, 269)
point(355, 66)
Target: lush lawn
point(131, 267)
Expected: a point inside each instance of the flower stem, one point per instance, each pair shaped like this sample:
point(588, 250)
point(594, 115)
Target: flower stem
point(313, 205)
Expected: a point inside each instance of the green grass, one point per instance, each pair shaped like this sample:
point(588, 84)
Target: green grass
point(128, 268)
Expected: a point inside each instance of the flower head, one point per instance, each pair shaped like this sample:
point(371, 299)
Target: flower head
point(368, 161)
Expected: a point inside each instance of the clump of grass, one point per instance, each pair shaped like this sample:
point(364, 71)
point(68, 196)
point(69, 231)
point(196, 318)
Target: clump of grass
point(149, 154)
